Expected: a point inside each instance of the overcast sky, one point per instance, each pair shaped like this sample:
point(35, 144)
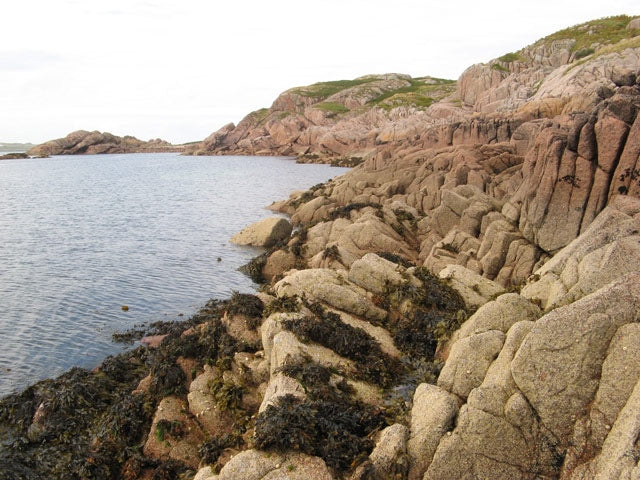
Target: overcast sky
point(181, 69)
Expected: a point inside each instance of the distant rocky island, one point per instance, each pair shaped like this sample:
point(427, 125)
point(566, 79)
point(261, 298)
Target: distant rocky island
point(87, 143)
point(464, 303)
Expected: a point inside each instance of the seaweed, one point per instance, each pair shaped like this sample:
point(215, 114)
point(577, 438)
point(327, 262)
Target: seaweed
point(316, 380)
point(332, 253)
point(392, 257)
point(345, 211)
point(284, 303)
point(437, 310)
point(245, 304)
point(253, 268)
point(88, 424)
point(335, 431)
point(211, 449)
point(327, 329)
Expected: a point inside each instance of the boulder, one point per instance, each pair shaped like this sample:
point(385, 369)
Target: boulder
point(468, 362)
point(474, 289)
point(331, 288)
point(389, 457)
point(559, 364)
point(375, 274)
point(257, 465)
point(432, 415)
point(264, 233)
point(499, 314)
point(174, 433)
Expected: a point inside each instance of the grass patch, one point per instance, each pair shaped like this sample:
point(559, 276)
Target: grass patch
point(511, 57)
point(421, 93)
point(323, 90)
point(604, 31)
point(332, 107)
point(500, 68)
point(616, 48)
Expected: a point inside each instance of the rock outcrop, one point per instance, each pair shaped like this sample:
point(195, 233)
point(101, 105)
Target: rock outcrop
point(265, 233)
point(83, 142)
point(464, 304)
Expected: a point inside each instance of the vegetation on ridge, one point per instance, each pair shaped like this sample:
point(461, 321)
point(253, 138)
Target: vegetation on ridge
point(322, 90)
point(604, 31)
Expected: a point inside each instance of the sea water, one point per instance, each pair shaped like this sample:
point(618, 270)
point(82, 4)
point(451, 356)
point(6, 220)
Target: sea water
point(82, 236)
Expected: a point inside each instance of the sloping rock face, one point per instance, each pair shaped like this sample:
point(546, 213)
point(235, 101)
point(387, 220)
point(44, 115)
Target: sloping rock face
point(87, 143)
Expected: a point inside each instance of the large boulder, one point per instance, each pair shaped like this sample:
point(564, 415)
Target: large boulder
point(264, 233)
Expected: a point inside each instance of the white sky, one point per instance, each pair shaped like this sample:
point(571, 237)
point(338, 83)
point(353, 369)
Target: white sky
point(180, 69)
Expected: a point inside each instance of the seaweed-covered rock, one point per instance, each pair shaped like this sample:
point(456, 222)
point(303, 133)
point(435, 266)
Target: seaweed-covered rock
point(174, 434)
point(332, 288)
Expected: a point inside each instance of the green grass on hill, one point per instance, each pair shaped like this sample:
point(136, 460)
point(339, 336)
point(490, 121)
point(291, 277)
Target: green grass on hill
point(420, 94)
point(604, 31)
point(333, 107)
point(323, 90)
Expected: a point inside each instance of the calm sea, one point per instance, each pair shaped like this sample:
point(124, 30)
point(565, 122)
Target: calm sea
point(82, 236)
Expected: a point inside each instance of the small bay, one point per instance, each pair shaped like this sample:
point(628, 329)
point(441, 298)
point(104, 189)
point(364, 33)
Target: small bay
point(82, 236)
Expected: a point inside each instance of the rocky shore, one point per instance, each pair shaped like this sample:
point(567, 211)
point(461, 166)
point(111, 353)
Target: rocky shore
point(463, 304)
point(88, 143)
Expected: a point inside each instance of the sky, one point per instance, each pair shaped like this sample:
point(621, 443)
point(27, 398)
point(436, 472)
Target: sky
point(181, 69)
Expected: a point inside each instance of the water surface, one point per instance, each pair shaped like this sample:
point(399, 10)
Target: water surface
point(81, 236)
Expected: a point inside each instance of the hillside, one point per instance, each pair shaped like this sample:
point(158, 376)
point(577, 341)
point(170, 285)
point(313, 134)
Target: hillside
point(349, 120)
point(462, 304)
